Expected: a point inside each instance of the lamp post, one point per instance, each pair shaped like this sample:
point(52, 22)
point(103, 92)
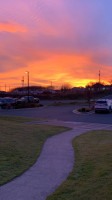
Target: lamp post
point(27, 72)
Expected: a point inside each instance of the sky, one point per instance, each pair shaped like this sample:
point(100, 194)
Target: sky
point(58, 41)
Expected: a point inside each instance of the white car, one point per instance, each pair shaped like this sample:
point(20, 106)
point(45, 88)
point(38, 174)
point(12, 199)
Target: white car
point(103, 105)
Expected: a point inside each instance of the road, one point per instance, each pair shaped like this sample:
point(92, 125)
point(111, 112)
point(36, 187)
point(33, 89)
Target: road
point(64, 113)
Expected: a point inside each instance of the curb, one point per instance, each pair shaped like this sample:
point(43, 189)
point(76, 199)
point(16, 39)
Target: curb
point(82, 113)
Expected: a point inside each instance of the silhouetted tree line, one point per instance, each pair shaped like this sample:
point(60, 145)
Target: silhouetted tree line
point(92, 90)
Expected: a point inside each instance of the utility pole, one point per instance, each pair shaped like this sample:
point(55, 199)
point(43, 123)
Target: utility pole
point(99, 76)
point(27, 72)
point(22, 82)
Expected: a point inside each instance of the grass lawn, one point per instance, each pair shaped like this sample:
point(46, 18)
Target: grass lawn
point(18, 119)
point(21, 144)
point(91, 178)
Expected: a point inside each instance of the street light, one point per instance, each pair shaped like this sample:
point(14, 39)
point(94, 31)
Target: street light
point(28, 83)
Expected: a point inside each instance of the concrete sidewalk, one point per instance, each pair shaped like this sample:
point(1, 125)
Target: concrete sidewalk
point(52, 167)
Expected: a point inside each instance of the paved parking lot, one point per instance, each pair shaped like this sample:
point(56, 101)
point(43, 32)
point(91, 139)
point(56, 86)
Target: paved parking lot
point(64, 113)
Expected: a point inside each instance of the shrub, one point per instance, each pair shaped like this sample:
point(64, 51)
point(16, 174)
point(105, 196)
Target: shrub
point(84, 109)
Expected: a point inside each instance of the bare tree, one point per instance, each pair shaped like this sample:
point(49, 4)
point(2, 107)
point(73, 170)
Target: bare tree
point(110, 82)
point(65, 87)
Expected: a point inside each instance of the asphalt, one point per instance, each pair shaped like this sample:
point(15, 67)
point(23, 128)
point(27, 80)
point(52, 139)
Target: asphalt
point(52, 167)
point(63, 113)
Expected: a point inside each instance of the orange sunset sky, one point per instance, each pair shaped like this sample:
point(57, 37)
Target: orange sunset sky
point(58, 41)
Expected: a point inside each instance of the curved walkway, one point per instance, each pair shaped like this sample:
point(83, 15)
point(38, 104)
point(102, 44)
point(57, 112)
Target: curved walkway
point(52, 167)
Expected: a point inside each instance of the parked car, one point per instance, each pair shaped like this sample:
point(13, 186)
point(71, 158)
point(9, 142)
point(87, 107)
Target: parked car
point(36, 100)
point(7, 102)
point(30, 99)
point(103, 105)
point(26, 99)
point(1, 101)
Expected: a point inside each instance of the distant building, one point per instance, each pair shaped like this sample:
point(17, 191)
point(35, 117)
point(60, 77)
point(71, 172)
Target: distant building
point(75, 89)
point(34, 90)
point(99, 87)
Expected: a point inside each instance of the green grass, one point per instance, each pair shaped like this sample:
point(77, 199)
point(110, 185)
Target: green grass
point(21, 144)
point(91, 178)
point(19, 119)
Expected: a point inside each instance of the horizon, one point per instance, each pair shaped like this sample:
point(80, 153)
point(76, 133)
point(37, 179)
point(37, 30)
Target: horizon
point(51, 87)
point(57, 41)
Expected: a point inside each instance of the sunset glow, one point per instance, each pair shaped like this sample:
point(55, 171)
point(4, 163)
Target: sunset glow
point(11, 28)
point(57, 41)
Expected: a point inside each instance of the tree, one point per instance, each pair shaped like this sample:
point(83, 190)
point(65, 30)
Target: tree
point(88, 94)
point(65, 87)
point(110, 82)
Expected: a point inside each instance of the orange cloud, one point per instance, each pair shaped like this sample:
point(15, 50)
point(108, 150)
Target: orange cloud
point(13, 28)
point(44, 67)
point(61, 69)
